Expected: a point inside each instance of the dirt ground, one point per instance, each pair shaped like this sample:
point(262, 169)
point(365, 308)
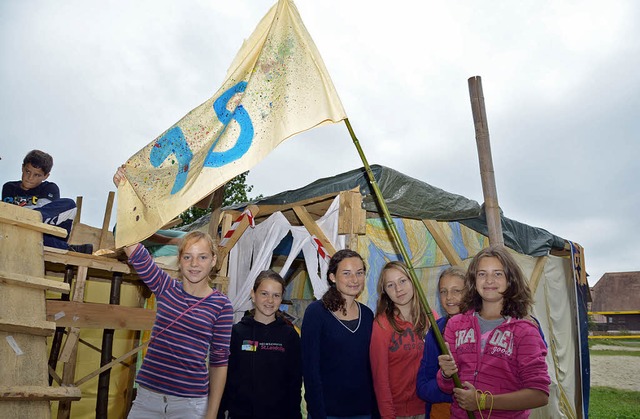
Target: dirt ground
point(617, 371)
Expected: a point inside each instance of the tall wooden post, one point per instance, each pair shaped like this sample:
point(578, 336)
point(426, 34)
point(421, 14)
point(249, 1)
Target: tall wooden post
point(491, 207)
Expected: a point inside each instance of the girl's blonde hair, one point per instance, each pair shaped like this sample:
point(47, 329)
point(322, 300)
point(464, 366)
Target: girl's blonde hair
point(388, 308)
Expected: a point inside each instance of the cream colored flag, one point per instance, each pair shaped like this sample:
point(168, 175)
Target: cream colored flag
point(276, 87)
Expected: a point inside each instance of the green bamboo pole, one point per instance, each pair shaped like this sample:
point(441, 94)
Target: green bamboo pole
point(403, 250)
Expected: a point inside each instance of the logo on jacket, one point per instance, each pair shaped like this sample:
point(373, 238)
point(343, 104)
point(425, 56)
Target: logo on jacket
point(465, 336)
point(502, 341)
point(250, 345)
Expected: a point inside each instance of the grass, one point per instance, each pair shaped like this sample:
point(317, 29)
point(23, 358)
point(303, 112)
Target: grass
point(611, 403)
point(634, 344)
point(614, 352)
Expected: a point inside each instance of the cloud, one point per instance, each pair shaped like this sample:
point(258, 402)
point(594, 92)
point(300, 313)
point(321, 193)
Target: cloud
point(94, 81)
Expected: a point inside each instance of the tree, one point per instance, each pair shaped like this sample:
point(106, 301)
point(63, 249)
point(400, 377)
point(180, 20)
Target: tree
point(235, 191)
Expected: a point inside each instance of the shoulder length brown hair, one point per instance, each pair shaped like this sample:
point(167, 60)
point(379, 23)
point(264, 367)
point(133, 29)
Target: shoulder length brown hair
point(517, 300)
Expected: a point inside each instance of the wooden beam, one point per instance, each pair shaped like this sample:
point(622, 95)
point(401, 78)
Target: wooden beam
point(242, 226)
point(68, 374)
point(266, 210)
point(76, 220)
point(81, 282)
point(99, 316)
point(443, 242)
point(70, 348)
point(536, 275)
point(65, 257)
point(216, 203)
point(314, 229)
point(222, 265)
point(352, 217)
point(71, 344)
point(106, 220)
point(33, 282)
point(32, 225)
point(34, 328)
point(37, 393)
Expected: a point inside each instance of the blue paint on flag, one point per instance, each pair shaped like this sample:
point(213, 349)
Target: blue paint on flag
point(173, 142)
point(245, 138)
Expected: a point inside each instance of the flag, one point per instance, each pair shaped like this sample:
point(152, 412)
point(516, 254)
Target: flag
point(276, 87)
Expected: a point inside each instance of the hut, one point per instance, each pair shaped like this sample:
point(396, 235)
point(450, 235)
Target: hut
point(616, 298)
point(295, 230)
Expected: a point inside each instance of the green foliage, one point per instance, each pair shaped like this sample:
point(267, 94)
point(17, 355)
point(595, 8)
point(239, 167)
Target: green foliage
point(235, 191)
point(610, 403)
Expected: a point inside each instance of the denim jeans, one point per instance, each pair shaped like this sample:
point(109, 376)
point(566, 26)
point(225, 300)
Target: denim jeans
point(152, 405)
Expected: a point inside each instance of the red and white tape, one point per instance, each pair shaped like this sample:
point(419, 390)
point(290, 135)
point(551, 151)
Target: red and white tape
point(320, 248)
point(235, 225)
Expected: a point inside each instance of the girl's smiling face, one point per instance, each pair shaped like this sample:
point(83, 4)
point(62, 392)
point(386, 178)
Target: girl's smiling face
point(267, 299)
point(197, 261)
point(452, 290)
point(491, 281)
point(349, 277)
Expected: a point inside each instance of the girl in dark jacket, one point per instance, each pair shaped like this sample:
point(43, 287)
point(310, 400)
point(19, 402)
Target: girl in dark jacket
point(265, 372)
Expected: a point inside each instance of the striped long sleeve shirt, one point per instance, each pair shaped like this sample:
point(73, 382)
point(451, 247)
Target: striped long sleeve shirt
point(176, 360)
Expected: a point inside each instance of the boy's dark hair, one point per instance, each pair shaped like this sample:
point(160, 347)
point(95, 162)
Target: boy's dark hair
point(39, 160)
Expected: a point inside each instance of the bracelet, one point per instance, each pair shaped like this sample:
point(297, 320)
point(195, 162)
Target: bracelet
point(445, 376)
point(481, 402)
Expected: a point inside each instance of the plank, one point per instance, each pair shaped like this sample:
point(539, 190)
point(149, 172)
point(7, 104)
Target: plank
point(352, 217)
point(9, 217)
point(38, 393)
point(27, 326)
point(65, 257)
point(536, 275)
point(104, 233)
point(314, 229)
point(244, 224)
point(443, 242)
point(33, 282)
point(99, 316)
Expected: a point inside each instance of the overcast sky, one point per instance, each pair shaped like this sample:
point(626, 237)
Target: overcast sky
point(92, 82)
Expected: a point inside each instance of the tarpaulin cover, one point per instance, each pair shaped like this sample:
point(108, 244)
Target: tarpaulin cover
point(407, 197)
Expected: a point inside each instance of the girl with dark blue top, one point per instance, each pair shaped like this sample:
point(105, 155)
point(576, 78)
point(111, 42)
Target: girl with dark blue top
point(336, 332)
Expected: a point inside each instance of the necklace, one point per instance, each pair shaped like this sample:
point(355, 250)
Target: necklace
point(344, 325)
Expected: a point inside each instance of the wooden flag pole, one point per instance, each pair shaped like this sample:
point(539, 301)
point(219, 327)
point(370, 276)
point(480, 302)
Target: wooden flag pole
point(491, 207)
point(403, 250)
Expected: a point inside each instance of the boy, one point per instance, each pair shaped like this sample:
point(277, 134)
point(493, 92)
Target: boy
point(35, 192)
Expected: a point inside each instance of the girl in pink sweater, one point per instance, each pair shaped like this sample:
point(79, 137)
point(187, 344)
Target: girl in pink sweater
point(495, 345)
point(397, 342)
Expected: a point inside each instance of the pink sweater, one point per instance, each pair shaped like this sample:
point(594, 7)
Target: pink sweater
point(513, 359)
point(395, 359)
